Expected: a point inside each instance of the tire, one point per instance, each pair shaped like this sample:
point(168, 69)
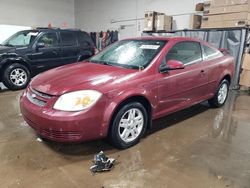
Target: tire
point(16, 76)
point(221, 95)
point(126, 134)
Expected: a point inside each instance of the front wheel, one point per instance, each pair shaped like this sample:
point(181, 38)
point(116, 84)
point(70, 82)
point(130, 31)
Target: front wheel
point(129, 125)
point(221, 96)
point(16, 76)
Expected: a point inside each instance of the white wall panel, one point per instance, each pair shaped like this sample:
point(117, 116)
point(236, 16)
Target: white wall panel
point(97, 15)
point(7, 30)
point(37, 12)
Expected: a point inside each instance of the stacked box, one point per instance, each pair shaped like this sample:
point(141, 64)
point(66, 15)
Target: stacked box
point(245, 75)
point(149, 21)
point(163, 22)
point(195, 21)
point(199, 7)
point(155, 21)
point(226, 13)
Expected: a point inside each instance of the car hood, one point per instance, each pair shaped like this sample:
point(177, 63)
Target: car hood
point(81, 76)
point(5, 49)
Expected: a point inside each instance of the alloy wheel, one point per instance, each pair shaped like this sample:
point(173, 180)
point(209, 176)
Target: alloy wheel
point(131, 125)
point(222, 93)
point(18, 77)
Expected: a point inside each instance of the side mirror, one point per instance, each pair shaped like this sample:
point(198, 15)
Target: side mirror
point(172, 65)
point(40, 45)
point(175, 65)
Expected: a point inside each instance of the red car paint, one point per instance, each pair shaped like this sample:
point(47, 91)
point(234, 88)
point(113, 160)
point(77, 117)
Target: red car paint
point(166, 92)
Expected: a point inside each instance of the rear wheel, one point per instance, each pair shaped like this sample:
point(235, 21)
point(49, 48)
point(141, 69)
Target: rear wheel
point(129, 125)
point(221, 96)
point(16, 76)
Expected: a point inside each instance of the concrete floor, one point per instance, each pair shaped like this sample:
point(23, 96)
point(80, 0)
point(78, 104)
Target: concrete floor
point(197, 147)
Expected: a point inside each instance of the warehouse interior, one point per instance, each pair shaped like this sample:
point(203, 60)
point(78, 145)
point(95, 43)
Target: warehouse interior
point(197, 145)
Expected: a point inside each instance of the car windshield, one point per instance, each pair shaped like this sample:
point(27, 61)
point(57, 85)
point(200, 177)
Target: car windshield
point(23, 38)
point(135, 54)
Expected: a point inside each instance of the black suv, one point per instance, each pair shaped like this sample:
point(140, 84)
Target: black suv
point(30, 52)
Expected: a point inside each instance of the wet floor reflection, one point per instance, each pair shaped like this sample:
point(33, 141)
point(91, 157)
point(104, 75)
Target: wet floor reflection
point(224, 126)
point(196, 147)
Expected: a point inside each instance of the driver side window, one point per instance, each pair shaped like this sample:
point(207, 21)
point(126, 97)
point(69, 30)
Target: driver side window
point(185, 52)
point(49, 40)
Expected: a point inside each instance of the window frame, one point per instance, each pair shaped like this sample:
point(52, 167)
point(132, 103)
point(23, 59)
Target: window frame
point(44, 33)
point(190, 63)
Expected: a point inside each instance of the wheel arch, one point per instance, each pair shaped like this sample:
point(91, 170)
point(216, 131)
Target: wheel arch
point(9, 61)
point(133, 98)
point(228, 78)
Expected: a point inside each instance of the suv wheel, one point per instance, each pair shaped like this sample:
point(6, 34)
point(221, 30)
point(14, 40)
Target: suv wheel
point(129, 125)
point(16, 76)
point(221, 96)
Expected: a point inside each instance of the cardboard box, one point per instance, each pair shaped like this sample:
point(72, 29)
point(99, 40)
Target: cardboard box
point(219, 3)
point(245, 78)
point(199, 7)
point(246, 62)
point(163, 22)
point(226, 9)
point(224, 24)
point(227, 17)
point(195, 21)
point(149, 21)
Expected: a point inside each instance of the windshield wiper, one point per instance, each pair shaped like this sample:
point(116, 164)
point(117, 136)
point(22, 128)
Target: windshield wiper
point(115, 64)
point(127, 66)
point(9, 45)
point(99, 61)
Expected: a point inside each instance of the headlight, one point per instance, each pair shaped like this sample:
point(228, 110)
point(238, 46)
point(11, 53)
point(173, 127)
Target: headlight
point(77, 100)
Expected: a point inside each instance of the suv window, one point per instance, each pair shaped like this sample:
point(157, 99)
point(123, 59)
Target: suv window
point(49, 40)
point(210, 53)
point(68, 39)
point(185, 52)
point(84, 39)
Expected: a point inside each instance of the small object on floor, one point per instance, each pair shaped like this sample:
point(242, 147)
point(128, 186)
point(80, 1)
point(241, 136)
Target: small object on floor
point(102, 163)
point(219, 177)
point(39, 139)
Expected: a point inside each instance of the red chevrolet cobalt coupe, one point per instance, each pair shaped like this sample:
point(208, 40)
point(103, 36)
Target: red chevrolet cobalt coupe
point(118, 92)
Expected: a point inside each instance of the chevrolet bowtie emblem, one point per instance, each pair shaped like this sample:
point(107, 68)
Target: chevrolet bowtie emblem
point(33, 95)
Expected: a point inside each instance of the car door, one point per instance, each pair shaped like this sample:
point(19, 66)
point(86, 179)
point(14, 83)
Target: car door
point(70, 47)
point(46, 52)
point(214, 66)
point(178, 89)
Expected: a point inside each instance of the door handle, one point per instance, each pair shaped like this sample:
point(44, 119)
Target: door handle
point(54, 52)
point(202, 73)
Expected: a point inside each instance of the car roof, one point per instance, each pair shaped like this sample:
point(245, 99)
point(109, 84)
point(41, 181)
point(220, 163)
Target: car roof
point(41, 29)
point(172, 38)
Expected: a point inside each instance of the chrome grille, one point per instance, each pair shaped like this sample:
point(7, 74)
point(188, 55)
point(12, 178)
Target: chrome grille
point(35, 101)
point(40, 94)
point(38, 98)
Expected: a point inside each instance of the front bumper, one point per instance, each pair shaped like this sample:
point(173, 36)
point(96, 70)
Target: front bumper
point(64, 126)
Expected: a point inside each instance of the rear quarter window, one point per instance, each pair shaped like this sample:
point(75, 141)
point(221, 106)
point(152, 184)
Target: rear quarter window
point(68, 39)
point(85, 40)
point(210, 53)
